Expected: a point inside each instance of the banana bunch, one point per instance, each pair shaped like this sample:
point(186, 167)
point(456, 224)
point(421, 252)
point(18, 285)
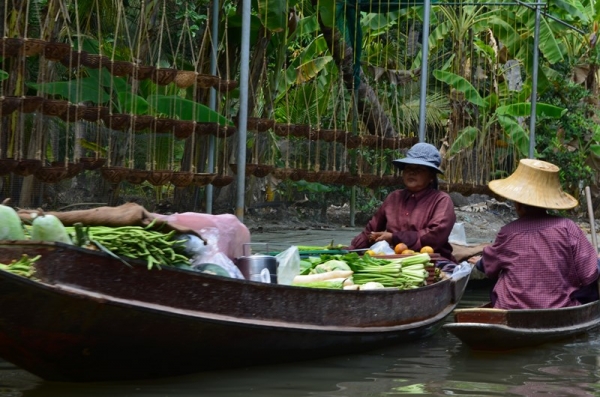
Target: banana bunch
point(22, 267)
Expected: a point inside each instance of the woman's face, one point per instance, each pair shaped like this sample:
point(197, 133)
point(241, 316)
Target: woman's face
point(417, 177)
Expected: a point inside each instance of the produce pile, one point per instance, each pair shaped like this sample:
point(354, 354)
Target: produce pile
point(353, 272)
point(347, 271)
point(128, 242)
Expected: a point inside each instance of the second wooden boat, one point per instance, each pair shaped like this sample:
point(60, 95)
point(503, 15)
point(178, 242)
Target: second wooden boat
point(491, 329)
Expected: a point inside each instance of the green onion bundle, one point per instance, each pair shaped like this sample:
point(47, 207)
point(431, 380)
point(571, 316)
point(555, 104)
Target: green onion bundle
point(404, 273)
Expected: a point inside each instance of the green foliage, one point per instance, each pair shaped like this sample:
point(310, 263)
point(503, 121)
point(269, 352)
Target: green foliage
point(81, 90)
point(569, 141)
point(192, 15)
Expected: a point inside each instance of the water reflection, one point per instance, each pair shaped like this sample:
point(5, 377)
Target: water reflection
point(437, 366)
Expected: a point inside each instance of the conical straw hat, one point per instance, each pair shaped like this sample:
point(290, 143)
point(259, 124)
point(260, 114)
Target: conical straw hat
point(534, 183)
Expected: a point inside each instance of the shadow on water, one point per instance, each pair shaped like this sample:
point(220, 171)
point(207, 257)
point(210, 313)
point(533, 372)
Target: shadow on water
point(436, 366)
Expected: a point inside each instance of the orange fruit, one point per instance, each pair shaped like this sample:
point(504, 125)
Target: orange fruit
point(427, 249)
point(370, 253)
point(407, 252)
point(399, 248)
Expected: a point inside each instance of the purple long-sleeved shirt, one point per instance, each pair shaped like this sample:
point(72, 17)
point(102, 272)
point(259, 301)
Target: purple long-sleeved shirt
point(539, 262)
point(416, 219)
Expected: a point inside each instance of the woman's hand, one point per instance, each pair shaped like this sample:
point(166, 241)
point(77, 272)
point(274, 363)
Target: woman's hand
point(473, 260)
point(380, 236)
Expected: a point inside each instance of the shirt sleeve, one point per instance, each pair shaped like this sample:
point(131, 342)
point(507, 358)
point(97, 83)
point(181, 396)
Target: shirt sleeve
point(439, 226)
point(377, 223)
point(585, 259)
point(493, 255)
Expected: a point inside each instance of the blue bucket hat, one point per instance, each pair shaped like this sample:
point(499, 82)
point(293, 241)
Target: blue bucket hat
point(421, 154)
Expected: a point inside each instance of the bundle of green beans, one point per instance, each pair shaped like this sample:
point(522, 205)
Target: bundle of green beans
point(136, 242)
point(22, 267)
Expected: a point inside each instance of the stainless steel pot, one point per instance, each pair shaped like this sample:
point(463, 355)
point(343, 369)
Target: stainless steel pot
point(258, 267)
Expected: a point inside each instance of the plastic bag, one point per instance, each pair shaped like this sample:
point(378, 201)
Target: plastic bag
point(458, 235)
point(463, 269)
point(289, 265)
point(212, 254)
point(194, 245)
point(382, 248)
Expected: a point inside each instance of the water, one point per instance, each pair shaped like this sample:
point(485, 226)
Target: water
point(436, 366)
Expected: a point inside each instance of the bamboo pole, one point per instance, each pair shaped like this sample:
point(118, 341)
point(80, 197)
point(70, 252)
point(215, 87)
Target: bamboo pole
point(588, 197)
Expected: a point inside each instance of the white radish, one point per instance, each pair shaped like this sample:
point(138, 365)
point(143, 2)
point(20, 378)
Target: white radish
point(310, 278)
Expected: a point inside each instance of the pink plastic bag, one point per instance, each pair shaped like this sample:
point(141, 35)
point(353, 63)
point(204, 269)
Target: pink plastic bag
point(232, 234)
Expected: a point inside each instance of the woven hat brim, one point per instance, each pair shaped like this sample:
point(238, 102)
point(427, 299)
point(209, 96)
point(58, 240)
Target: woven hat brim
point(533, 187)
point(400, 163)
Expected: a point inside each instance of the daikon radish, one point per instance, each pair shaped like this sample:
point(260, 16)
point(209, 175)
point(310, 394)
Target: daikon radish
point(310, 278)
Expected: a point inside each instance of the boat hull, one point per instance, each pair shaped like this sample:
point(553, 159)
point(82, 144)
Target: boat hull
point(496, 329)
point(93, 318)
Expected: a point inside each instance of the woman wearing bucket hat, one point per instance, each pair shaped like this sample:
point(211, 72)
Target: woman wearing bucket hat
point(418, 215)
point(539, 260)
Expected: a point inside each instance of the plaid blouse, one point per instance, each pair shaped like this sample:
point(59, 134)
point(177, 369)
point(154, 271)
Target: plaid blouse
point(539, 263)
point(416, 219)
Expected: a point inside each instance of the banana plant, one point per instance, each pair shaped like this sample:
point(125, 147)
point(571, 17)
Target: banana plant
point(502, 111)
point(101, 88)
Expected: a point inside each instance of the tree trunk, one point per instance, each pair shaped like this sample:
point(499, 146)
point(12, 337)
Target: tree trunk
point(257, 67)
point(369, 108)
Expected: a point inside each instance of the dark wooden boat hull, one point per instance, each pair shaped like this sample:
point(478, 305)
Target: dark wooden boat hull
point(93, 318)
point(497, 329)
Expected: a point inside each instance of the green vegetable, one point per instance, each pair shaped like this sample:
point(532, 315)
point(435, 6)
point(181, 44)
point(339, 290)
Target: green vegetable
point(329, 266)
point(136, 242)
point(22, 267)
point(11, 227)
point(402, 273)
point(49, 228)
point(414, 259)
point(337, 283)
point(305, 266)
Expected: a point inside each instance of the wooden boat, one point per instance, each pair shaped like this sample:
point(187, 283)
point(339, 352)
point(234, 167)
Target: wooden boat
point(90, 317)
point(491, 329)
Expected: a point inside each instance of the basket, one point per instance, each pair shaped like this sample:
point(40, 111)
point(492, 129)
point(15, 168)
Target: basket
point(120, 68)
point(203, 179)
point(26, 167)
point(160, 177)
point(31, 103)
point(114, 175)
point(164, 76)
point(56, 51)
point(137, 177)
point(182, 178)
point(32, 47)
point(185, 78)
point(51, 174)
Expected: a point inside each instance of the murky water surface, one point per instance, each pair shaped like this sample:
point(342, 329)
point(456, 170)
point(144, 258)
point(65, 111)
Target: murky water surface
point(437, 366)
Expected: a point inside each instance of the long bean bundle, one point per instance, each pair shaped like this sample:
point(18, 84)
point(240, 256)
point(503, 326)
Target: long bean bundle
point(136, 242)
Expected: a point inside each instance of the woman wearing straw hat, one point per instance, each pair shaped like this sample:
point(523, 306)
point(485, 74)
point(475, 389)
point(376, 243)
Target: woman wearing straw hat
point(418, 215)
point(539, 260)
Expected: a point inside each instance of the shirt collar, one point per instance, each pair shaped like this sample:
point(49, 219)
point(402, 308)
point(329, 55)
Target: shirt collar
point(417, 196)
